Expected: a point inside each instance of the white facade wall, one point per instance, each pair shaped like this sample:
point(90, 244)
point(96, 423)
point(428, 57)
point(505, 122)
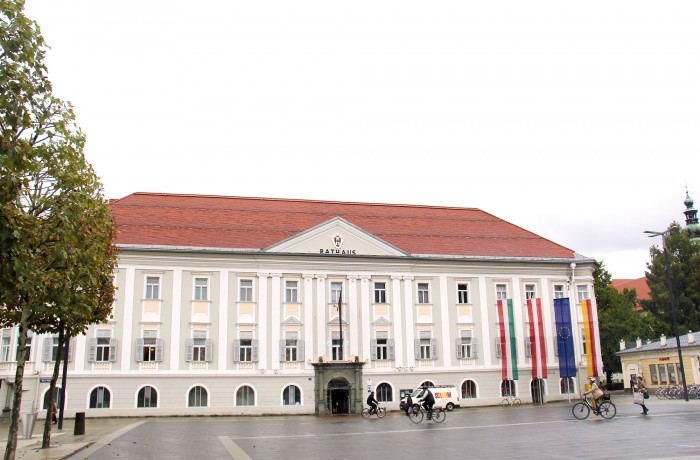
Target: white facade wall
point(267, 318)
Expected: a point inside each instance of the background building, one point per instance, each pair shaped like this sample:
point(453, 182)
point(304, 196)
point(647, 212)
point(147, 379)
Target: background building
point(229, 305)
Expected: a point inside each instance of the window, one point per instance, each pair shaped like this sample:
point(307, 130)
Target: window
point(198, 348)
point(152, 287)
point(558, 291)
point(654, 374)
point(426, 347)
point(28, 346)
point(583, 342)
point(508, 388)
point(566, 385)
point(5, 345)
point(662, 375)
point(198, 397)
point(529, 291)
point(201, 289)
point(469, 389)
point(672, 374)
point(100, 398)
point(384, 393)
point(379, 292)
point(102, 348)
point(423, 293)
point(245, 396)
point(336, 289)
point(462, 293)
point(245, 349)
point(582, 293)
point(291, 348)
point(501, 292)
point(291, 396)
point(291, 291)
point(147, 397)
point(149, 348)
point(50, 350)
point(335, 350)
point(246, 294)
point(465, 346)
point(382, 349)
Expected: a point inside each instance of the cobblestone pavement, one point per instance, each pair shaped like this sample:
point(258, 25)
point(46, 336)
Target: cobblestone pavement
point(671, 430)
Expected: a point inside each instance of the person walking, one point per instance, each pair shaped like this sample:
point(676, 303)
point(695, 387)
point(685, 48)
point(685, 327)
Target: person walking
point(409, 405)
point(642, 390)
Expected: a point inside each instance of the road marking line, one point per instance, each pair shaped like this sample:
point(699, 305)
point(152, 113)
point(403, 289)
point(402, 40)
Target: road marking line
point(234, 449)
point(682, 445)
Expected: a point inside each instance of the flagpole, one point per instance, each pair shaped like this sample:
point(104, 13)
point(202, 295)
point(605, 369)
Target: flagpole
point(340, 322)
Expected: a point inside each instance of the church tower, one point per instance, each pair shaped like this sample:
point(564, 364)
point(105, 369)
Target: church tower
point(691, 217)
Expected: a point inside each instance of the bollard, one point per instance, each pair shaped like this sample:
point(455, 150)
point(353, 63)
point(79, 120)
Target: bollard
point(79, 427)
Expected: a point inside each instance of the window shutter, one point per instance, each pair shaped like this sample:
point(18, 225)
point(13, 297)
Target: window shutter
point(255, 351)
point(434, 349)
point(92, 350)
point(189, 350)
point(458, 342)
point(139, 350)
point(236, 351)
point(159, 349)
point(70, 350)
point(283, 344)
point(47, 347)
point(556, 346)
point(373, 349)
point(112, 350)
point(300, 351)
point(392, 349)
point(475, 349)
point(416, 348)
point(498, 347)
point(208, 350)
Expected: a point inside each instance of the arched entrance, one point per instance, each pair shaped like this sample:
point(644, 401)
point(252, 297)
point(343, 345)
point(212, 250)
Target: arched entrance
point(338, 396)
point(537, 391)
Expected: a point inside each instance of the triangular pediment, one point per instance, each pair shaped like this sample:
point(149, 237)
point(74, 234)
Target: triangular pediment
point(335, 321)
point(336, 237)
point(292, 321)
point(381, 321)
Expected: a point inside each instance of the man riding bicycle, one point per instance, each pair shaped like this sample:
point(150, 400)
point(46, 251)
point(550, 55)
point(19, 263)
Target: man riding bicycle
point(428, 402)
point(372, 403)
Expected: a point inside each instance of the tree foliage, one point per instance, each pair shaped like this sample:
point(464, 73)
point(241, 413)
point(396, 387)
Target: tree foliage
point(617, 319)
point(684, 270)
point(56, 253)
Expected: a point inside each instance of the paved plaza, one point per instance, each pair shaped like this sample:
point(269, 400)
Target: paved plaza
point(671, 430)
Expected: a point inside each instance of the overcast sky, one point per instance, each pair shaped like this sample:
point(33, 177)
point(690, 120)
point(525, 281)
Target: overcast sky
point(579, 121)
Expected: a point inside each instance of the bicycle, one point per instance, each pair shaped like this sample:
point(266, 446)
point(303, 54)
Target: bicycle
point(380, 412)
point(510, 401)
point(606, 409)
point(437, 415)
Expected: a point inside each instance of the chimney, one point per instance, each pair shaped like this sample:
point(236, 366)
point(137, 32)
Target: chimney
point(691, 337)
point(622, 345)
point(648, 341)
point(663, 340)
point(639, 342)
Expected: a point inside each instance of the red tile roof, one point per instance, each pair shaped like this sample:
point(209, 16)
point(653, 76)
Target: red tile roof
point(161, 219)
point(640, 284)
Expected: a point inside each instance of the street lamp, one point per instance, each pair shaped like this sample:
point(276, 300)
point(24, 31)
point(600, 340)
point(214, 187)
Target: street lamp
point(673, 305)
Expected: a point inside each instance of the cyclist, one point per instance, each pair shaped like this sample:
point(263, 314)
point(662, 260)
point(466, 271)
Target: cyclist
point(428, 402)
point(597, 393)
point(372, 403)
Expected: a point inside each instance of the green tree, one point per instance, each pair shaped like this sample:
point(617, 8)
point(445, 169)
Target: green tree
point(684, 270)
point(56, 252)
point(617, 319)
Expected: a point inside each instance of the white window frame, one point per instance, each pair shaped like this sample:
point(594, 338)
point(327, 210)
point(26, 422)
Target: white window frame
point(582, 292)
point(380, 292)
point(530, 291)
point(559, 292)
point(423, 293)
point(291, 291)
point(5, 345)
point(245, 290)
point(201, 290)
point(151, 288)
point(501, 291)
point(336, 287)
point(463, 295)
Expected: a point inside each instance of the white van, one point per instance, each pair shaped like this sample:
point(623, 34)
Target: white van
point(445, 396)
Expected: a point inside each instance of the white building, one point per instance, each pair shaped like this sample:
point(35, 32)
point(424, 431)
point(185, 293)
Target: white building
point(229, 305)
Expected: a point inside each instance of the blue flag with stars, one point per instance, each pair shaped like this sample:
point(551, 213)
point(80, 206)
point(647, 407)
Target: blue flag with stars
point(565, 338)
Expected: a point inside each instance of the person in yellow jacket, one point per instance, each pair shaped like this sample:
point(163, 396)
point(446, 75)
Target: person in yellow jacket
point(595, 391)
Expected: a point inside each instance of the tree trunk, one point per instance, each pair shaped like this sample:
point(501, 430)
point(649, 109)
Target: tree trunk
point(11, 448)
point(46, 441)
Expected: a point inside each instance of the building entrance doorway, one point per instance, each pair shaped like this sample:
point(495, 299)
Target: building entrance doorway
point(537, 391)
point(338, 396)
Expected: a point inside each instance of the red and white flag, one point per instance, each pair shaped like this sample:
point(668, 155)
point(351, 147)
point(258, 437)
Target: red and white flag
point(537, 347)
